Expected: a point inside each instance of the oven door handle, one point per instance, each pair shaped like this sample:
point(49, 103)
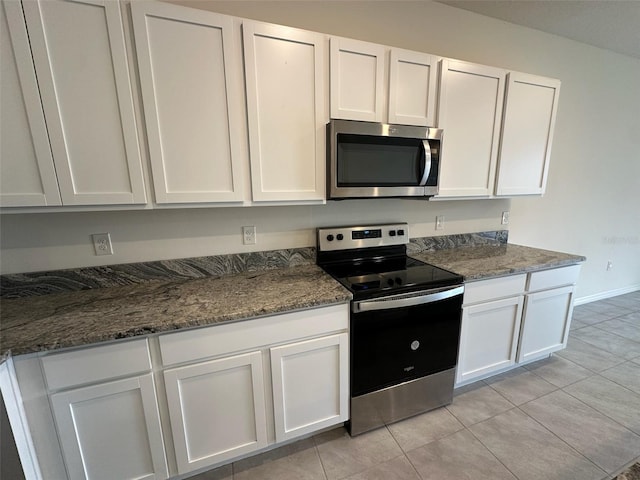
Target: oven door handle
point(400, 301)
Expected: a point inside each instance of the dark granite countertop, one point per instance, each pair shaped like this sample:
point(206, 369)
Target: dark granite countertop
point(165, 300)
point(487, 261)
point(49, 322)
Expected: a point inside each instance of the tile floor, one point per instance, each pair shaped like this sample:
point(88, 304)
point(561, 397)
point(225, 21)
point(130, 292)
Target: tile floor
point(573, 416)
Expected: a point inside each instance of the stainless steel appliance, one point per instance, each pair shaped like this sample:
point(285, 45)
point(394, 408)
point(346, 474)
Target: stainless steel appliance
point(367, 159)
point(404, 324)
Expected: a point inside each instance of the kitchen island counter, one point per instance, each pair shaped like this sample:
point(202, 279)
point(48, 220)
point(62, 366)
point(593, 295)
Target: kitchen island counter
point(49, 322)
point(488, 261)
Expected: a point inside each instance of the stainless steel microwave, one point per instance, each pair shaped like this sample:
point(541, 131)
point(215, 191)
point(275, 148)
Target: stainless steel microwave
point(366, 159)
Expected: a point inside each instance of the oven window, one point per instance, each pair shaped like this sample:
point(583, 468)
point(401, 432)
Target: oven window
point(370, 161)
point(397, 345)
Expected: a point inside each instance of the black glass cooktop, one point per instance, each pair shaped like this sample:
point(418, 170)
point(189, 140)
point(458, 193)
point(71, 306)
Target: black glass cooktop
point(390, 275)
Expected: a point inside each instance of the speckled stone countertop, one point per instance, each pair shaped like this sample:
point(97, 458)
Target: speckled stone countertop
point(69, 319)
point(481, 262)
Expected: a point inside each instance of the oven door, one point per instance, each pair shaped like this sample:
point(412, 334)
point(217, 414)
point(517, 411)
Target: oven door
point(400, 338)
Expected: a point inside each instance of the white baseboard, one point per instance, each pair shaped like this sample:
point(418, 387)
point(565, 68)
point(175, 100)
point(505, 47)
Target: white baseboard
point(611, 293)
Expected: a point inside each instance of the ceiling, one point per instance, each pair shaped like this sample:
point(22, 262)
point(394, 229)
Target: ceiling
point(609, 24)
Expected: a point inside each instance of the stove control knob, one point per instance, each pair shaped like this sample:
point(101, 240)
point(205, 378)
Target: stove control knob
point(392, 233)
point(415, 345)
point(330, 238)
point(339, 236)
point(398, 281)
point(401, 232)
point(390, 282)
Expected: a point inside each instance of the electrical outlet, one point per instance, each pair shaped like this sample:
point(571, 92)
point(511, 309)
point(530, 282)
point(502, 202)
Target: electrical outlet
point(102, 243)
point(505, 218)
point(609, 265)
point(440, 222)
point(249, 235)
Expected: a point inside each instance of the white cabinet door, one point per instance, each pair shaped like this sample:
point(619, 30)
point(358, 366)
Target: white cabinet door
point(111, 430)
point(286, 91)
point(529, 120)
point(412, 88)
point(469, 111)
point(310, 385)
point(546, 322)
point(27, 174)
point(191, 87)
point(217, 410)
point(488, 338)
point(79, 55)
point(15, 411)
point(357, 80)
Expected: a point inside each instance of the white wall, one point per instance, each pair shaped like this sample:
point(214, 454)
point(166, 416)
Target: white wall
point(592, 203)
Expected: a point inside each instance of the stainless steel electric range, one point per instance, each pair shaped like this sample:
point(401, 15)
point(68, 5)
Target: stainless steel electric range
point(404, 324)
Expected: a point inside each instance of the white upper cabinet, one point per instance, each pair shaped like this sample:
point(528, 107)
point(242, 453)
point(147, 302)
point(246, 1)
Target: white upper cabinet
point(79, 55)
point(27, 174)
point(357, 80)
point(286, 81)
point(359, 72)
point(469, 111)
point(191, 86)
point(530, 109)
point(412, 88)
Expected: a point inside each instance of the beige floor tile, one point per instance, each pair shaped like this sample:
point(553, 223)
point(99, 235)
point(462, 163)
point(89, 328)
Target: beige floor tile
point(221, 473)
point(576, 324)
point(630, 301)
point(399, 468)
point(297, 461)
point(478, 404)
point(603, 441)
point(422, 429)
point(626, 374)
point(589, 356)
point(457, 457)
point(342, 455)
point(621, 327)
point(606, 309)
point(609, 398)
point(520, 386)
point(610, 342)
point(632, 318)
point(530, 451)
point(558, 371)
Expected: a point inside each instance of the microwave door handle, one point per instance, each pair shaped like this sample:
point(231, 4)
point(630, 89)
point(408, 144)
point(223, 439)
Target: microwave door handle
point(427, 162)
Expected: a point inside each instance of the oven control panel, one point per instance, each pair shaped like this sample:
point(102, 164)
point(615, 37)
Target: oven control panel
point(364, 236)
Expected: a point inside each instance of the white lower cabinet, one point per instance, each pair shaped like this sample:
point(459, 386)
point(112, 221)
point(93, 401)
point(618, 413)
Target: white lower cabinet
point(489, 337)
point(206, 396)
point(310, 379)
point(217, 410)
point(491, 315)
point(224, 400)
point(546, 321)
point(513, 320)
point(111, 430)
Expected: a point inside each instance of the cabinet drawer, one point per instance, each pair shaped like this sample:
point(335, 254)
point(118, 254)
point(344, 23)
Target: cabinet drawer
point(249, 334)
point(494, 288)
point(556, 277)
point(94, 364)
